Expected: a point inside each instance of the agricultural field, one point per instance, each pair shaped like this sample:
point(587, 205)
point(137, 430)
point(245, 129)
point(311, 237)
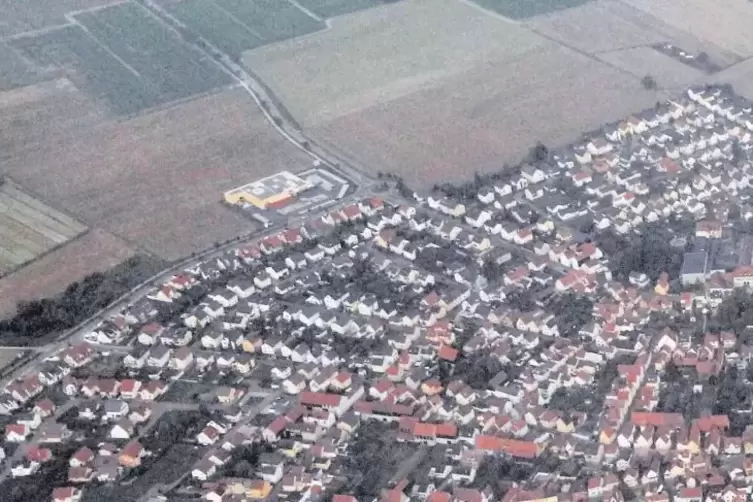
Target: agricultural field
point(120, 55)
point(14, 71)
point(29, 228)
point(238, 25)
point(155, 180)
point(522, 9)
point(332, 8)
point(435, 90)
point(596, 27)
point(725, 23)
point(374, 56)
point(739, 76)
point(610, 25)
point(19, 17)
point(669, 73)
point(95, 251)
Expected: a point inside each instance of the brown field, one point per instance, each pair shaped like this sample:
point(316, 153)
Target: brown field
point(488, 118)
point(670, 74)
point(725, 23)
point(435, 89)
point(610, 25)
point(740, 76)
point(155, 180)
point(94, 251)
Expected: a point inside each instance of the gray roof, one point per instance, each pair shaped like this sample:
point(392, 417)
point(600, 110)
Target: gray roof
point(694, 263)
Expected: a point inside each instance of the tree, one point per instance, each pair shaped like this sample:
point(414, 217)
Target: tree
point(538, 153)
point(573, 312)
point(649, 83)
point(79, 301)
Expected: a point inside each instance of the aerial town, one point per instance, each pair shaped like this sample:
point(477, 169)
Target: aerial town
point(571, 329)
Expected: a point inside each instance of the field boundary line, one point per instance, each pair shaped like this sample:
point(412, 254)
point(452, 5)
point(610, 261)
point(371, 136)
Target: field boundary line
point(307, 12)
point(96, 8)
point(238, 73)
point(489, 12)
point(34, 33)
point(237, 21)
point(104, 46)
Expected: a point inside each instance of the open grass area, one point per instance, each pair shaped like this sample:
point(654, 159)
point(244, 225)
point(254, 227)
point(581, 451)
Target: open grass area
point(29, 228)
point(522, 9)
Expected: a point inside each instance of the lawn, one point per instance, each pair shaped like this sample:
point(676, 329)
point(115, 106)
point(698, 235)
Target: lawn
point(522, 9)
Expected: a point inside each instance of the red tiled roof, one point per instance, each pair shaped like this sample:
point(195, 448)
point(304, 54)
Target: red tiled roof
point(707, 424)
point(643, 418)
point(132, 449)
point(448, 353)
point(323, 399)
point(84, 455)
point(438, 497)
point(344, 498)
point(514, 447)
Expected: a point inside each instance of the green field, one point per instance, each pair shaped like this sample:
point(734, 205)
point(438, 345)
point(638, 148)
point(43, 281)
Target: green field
point(217, 26)
point(29, 228)
point(14, 71)
point(235, 26)
point(91, 67)
point(124, 56)
point(522, 9)
point(167, 66)
point(332, 8)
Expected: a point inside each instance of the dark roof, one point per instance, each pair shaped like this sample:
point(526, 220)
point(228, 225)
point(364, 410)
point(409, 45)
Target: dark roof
point(694, 263)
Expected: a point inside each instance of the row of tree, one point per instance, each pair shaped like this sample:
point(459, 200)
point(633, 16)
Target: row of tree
point(39, 318)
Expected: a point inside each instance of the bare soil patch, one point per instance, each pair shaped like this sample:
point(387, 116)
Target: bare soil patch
point(438, 89)
point(95, 251)
point(488, 117)
point(155, 180)
point(381, 54)
point(725, 23)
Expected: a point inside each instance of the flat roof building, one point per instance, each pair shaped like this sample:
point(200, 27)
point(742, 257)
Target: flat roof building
point(273, 191)
point(694, 267)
